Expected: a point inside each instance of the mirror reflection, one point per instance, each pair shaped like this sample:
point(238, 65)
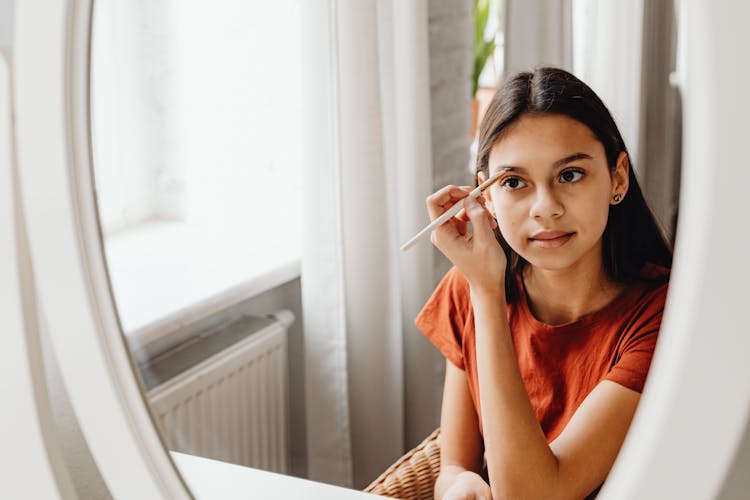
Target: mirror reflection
point(191, 131)
point(249, 167)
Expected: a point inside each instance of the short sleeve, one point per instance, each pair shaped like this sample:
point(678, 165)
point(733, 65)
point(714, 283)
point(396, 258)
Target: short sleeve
point(444, 316)
point(637, 348)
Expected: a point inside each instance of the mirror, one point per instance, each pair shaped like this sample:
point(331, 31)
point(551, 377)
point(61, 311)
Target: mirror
point(196, 124)
point(193, 125)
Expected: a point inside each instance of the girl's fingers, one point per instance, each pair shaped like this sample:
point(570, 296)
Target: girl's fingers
point(464, 217)
point(481, 223)
point(491, 218)
point(443, 199)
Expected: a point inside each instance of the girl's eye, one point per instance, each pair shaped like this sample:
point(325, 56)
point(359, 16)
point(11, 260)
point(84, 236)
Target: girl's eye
point(571, 176)
point(513, 183)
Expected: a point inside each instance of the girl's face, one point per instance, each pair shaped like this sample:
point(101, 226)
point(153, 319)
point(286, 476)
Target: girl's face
point(553, 202)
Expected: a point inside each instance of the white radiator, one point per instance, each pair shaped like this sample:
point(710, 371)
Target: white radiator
point(233, 405)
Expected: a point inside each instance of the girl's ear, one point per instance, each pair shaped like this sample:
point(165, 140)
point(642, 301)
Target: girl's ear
point(620, 178)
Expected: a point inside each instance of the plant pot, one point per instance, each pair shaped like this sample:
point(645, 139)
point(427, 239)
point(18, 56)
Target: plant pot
point(478, 106)
point(474, 117)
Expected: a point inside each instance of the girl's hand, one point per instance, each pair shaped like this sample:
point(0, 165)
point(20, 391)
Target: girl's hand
point(478, 256)
point(468, 486)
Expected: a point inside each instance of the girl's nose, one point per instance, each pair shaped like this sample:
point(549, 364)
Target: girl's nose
point(546, 205)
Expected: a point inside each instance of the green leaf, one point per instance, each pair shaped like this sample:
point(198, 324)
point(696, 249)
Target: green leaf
point(483, 47)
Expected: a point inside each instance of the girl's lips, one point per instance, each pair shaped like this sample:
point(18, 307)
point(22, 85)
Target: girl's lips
point(550, 240)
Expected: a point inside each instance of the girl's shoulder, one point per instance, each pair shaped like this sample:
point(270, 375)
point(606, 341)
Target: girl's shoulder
point(642, 308)
point(450, 298)
point(655, 273)
point(653, 284)
point(454, 285)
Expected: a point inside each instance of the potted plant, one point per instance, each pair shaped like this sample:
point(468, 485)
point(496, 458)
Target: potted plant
point(484, 47)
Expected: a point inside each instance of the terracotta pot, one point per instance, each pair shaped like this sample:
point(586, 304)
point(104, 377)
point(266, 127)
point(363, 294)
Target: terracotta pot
point(474, 117)
point(478, 106)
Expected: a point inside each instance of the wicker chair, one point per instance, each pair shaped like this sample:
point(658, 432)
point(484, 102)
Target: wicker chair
point(413, 476)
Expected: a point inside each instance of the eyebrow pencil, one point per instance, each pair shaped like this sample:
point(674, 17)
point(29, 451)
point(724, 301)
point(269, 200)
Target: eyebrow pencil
point(451, 212)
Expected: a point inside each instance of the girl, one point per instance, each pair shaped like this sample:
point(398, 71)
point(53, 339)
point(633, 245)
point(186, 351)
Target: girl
point(549, 317)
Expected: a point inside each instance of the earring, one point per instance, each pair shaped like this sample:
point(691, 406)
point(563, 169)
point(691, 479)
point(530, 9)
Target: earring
point(617, 197)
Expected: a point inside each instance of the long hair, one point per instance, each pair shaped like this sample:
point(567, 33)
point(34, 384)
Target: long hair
point(632, 236)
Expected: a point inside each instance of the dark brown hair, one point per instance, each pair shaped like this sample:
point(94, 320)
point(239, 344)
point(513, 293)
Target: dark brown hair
point(632, 236)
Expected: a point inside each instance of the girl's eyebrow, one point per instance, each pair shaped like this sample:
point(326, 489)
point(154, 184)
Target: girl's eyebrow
point(557, 164)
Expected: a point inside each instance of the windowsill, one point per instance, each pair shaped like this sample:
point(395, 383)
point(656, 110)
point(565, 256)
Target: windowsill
point(166, 275)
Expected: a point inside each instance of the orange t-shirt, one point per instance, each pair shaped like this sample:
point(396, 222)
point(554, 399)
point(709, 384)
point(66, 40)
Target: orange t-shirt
point(559, 364)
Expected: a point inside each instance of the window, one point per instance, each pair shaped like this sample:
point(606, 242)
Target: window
point(196, 148)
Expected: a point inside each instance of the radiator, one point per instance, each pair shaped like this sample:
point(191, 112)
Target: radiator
point(224, 395)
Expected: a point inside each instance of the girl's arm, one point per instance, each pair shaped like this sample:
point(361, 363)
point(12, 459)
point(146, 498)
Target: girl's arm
point(520, 462)
point(461, 442)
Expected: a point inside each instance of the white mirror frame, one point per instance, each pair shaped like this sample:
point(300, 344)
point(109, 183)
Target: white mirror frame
point(52, 104)
point(694, 408)
point(27, 452)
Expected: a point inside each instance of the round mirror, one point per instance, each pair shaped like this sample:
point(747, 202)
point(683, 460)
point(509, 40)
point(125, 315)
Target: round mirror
point(177, 200)
point(197, 149)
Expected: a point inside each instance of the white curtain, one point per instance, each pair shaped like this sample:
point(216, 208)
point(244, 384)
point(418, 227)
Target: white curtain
point(607, 46)
point(367, 170)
